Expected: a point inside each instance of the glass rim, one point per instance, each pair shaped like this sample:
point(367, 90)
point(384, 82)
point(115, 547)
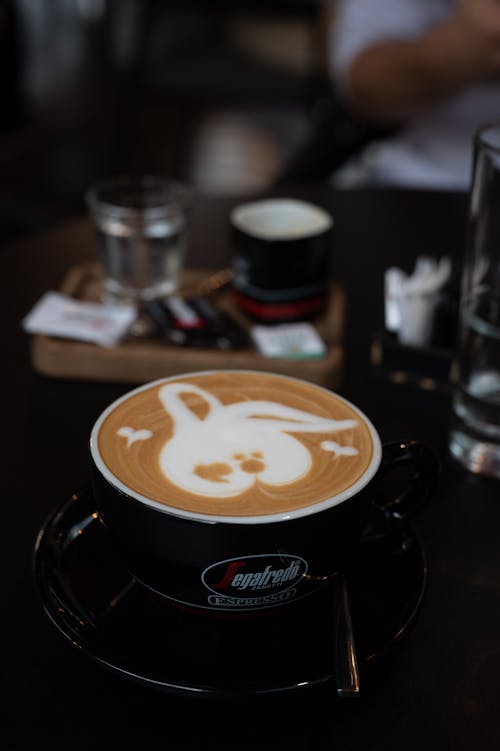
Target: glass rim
point(173, 196)
point(481, 136)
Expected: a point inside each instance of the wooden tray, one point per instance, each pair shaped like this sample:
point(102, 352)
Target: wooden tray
point(137, 361)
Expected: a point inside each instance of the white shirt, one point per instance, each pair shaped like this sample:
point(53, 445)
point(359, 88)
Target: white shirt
point(434, 149)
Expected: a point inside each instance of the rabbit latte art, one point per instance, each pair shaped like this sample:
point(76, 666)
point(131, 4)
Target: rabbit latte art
point(235, 443)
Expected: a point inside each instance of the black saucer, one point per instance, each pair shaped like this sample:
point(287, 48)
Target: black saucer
point(95, 604)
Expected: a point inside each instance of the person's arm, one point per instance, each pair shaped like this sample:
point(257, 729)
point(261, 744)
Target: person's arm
point(395, 79)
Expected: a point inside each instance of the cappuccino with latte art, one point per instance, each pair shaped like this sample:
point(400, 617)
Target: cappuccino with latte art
point(234, 443)
point(235, 491)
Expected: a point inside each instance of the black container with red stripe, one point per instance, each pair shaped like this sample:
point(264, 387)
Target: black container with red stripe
point(281, 259)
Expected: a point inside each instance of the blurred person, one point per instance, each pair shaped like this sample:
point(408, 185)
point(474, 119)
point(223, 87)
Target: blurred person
point(429, 67)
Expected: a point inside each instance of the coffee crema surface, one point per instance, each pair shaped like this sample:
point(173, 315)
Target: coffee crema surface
point(235, 443)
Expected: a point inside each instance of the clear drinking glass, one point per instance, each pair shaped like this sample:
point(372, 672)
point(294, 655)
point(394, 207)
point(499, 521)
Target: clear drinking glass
point(141, 224)
point(475, 430)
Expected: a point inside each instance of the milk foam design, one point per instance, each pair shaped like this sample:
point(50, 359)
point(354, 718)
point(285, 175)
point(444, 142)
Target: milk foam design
point(336, 448)
point(224, 453)
point(134, 435)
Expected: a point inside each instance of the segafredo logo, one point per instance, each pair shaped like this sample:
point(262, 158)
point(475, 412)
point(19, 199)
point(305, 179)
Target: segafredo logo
point(254, 580)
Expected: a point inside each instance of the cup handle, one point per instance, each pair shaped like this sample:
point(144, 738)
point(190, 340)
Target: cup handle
point(391, 507)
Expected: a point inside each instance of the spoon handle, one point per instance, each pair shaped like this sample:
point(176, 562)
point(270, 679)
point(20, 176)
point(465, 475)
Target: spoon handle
point(346, 664)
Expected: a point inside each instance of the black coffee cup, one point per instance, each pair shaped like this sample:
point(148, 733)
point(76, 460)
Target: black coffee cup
point(281, 256)
point(248, 564)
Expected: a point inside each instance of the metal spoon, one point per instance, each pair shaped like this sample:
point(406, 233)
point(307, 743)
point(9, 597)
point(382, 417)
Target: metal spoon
point(346, 664)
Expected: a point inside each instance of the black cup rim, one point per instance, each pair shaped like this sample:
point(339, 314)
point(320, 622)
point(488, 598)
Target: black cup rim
point(322, 217)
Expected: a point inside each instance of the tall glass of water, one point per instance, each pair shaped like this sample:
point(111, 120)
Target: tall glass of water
point(475, 429)
point(141, 224)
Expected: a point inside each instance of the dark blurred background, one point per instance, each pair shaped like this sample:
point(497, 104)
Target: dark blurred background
point(221, 94)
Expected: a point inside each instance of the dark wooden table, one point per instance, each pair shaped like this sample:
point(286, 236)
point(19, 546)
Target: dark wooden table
point(441, 692)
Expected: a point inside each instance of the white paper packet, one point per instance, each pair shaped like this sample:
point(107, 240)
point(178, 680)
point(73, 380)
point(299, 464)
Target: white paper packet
point(62, 316)
point(289, 340)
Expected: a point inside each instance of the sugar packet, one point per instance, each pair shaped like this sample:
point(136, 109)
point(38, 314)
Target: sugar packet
point(62, 316)
point(289, 340)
